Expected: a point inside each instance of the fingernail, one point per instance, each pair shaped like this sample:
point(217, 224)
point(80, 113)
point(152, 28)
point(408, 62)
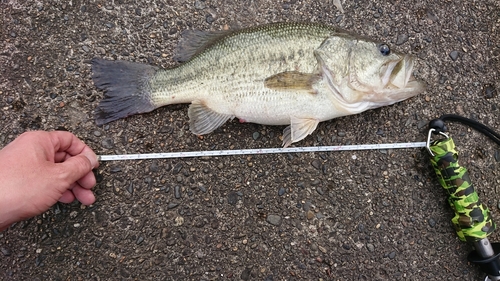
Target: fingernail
point(92, 158)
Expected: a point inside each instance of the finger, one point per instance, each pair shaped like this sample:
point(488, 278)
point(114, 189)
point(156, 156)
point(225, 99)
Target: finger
point(74, 168)
point(60, 156)
point(67, 142)
point(85, 196)
point(88, 181)
point(67, 197)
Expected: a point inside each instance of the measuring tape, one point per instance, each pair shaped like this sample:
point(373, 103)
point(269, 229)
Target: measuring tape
point(163, 155)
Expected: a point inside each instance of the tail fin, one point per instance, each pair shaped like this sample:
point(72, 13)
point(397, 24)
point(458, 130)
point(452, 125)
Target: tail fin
point(126, 86)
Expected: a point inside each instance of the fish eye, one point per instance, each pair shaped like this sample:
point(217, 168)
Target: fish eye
point(384, 49)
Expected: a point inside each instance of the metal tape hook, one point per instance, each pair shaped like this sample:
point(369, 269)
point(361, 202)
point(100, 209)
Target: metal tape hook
point(428, 143)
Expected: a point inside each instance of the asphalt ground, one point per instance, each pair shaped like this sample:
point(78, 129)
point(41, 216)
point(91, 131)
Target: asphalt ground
point(359, 215)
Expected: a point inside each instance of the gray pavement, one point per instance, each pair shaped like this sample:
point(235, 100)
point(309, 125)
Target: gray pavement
point(370, 215)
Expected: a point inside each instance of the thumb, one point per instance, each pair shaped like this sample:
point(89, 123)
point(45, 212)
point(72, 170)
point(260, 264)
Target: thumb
point(79, 165)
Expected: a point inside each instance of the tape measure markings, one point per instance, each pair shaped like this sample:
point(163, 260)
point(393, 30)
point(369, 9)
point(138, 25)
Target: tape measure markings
point(213, 153)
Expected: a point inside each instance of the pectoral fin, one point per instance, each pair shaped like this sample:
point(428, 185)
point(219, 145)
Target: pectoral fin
point(299, 129)
point(292, 80)
point(203, 120)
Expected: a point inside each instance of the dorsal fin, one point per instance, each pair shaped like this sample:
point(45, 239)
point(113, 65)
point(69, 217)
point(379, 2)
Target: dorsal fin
point(292, 80)
point(193, 42)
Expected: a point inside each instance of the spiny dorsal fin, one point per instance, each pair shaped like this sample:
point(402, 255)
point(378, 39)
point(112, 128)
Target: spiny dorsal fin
point(193, 42)
point(292, 80)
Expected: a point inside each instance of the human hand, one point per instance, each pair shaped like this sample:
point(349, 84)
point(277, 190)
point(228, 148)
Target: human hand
point(40, 168)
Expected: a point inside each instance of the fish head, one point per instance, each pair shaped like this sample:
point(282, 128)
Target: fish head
point(364, 74)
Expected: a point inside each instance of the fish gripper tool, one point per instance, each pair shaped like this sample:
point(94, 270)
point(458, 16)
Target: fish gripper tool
point(472, 220)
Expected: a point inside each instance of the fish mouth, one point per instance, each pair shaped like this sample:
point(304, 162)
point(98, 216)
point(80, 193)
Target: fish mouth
point(397, 74)
point(398, 83)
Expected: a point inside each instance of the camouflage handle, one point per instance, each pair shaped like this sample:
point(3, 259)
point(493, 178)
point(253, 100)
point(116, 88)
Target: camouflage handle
point(472, 219)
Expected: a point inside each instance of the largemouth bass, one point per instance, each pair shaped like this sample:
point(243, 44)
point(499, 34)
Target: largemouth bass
point(296, 74)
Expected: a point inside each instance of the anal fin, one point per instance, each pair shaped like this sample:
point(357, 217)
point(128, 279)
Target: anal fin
point(203, 120)
point(299, 129)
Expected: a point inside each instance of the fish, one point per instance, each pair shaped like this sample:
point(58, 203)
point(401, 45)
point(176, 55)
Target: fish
point(295, 74)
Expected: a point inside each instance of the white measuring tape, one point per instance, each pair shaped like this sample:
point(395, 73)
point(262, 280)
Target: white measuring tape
point(259, 151)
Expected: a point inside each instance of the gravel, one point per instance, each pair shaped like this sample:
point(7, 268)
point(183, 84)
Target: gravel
point(380, 215)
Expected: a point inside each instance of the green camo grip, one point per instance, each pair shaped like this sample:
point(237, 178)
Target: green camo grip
point(472, 219)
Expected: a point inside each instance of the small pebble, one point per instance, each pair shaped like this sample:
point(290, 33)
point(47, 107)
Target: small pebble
point(98, 243)
point(154, 167)
point(97, 133)
point(108, 143)
point(256, 135)
point(139, 240)
point(178, 221)
point(431, 222)
point(454, 55)
point(320, 190)
point(199, 5)
point(421, 124)
point(130, 188)
point(316, 164)
point(49, 73)
point(202, 188)
point(101, 50)
point(209, 19)
point(177, 168)
point(310, 215)
point(361, 227)
point(370, 247)
point(392, 255)
point(281, 191)
point(402, 38)
point(274, 220)
point(6, 251)
point(232, 198)
point(115, 169)
point(307, 206)
point(177, 192)
point(490, 91)
point(172, 205)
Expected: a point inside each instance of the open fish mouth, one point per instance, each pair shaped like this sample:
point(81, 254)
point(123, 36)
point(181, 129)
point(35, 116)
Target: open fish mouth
point(397, 74)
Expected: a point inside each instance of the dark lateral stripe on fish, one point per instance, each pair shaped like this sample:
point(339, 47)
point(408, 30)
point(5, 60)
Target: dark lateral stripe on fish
point(126, 89)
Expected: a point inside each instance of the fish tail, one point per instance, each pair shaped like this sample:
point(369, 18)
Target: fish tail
point(126, 86)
